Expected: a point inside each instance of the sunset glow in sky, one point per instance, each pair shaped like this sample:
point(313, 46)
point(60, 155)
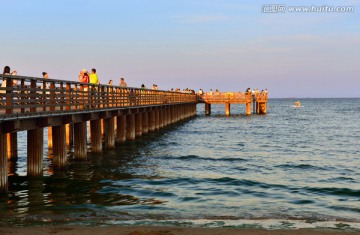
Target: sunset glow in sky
point(220, 44)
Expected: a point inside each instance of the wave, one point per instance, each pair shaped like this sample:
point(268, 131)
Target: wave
point(196, 157)
point(302, 167)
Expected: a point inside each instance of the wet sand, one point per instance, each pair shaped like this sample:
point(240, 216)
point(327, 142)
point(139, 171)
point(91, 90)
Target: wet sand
point(152, 230)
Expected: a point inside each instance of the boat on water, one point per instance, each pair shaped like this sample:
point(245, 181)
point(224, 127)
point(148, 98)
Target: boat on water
point(297, 104)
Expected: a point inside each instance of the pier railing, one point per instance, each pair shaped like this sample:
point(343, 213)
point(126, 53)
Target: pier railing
point(233, 97)
point(29, 96)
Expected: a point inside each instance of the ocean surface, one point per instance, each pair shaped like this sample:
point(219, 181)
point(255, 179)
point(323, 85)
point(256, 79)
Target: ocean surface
point(290, 168)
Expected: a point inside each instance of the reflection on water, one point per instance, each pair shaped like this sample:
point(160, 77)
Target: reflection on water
point(291, 164)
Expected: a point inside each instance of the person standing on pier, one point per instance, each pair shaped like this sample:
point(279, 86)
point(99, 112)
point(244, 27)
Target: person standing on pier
point(3, 84)
point(7, 72)
point(84, 77)
point(46, 87)
point(45, 75)
point(123, 83)
point(94, 79)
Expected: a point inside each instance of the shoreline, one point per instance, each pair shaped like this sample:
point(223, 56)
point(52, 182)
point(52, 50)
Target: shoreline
point(163, 230)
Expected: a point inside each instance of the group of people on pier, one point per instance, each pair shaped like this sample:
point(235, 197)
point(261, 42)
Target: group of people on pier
point(88, 77)
point(254, 92)
point(91, 80)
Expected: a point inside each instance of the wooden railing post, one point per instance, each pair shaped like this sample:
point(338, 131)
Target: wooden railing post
point(33, 96)
point(52, 96)
point(68, 97)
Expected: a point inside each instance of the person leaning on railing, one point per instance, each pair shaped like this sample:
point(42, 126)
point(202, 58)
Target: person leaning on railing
point(4, 83)
point(84, 78)
point(7, 72)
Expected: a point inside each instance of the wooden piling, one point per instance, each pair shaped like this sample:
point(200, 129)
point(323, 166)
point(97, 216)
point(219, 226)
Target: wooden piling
point(207, 109)
point(166, 116)
point(50, 140)
point(35, 143)
point(161, 118)
point(152, 120)
point(248, 108)
point(177, 114)
point(130, 127)
point(3, 165)
point(80, 140)
point(171, 116)
point(12, 151)
point(109, 125)
point(59, 146)
point(227, 109)
point(121, 129)
point(262, 108)
point(96, 135)
point(69, 128)
point(138, 124)
point(157, 120)
point(145, 122)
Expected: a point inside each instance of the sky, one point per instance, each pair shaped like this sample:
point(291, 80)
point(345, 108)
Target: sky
point(228, 45)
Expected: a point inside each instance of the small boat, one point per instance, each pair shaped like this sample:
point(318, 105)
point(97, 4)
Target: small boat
point(297, 104)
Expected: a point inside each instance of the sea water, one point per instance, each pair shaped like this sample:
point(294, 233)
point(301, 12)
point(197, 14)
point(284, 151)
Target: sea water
point(291, 168)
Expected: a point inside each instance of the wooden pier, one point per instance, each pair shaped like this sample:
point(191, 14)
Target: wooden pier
point(259, 100)
point(114, 115)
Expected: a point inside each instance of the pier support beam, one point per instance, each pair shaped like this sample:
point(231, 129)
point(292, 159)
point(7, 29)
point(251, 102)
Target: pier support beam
point(166, 117)
point(12, 151)
point(50, 140)
point(109, 125)
point(121, 129)
point(96, 135)
point(145, 122)
point(152, 120)
point(262, 107)
point(177, 117)
point(3, 165)
point(227, 109)
point(207, 109)
point(138, 124)
point(35, 143)
point(161, 118)
point(59, 146)
point(157, 120)
point(69, 128)
point(130, 127)
point(80, 138)
point(248, 108)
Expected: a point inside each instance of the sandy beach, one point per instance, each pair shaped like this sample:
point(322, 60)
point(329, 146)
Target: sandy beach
point(158, 230)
